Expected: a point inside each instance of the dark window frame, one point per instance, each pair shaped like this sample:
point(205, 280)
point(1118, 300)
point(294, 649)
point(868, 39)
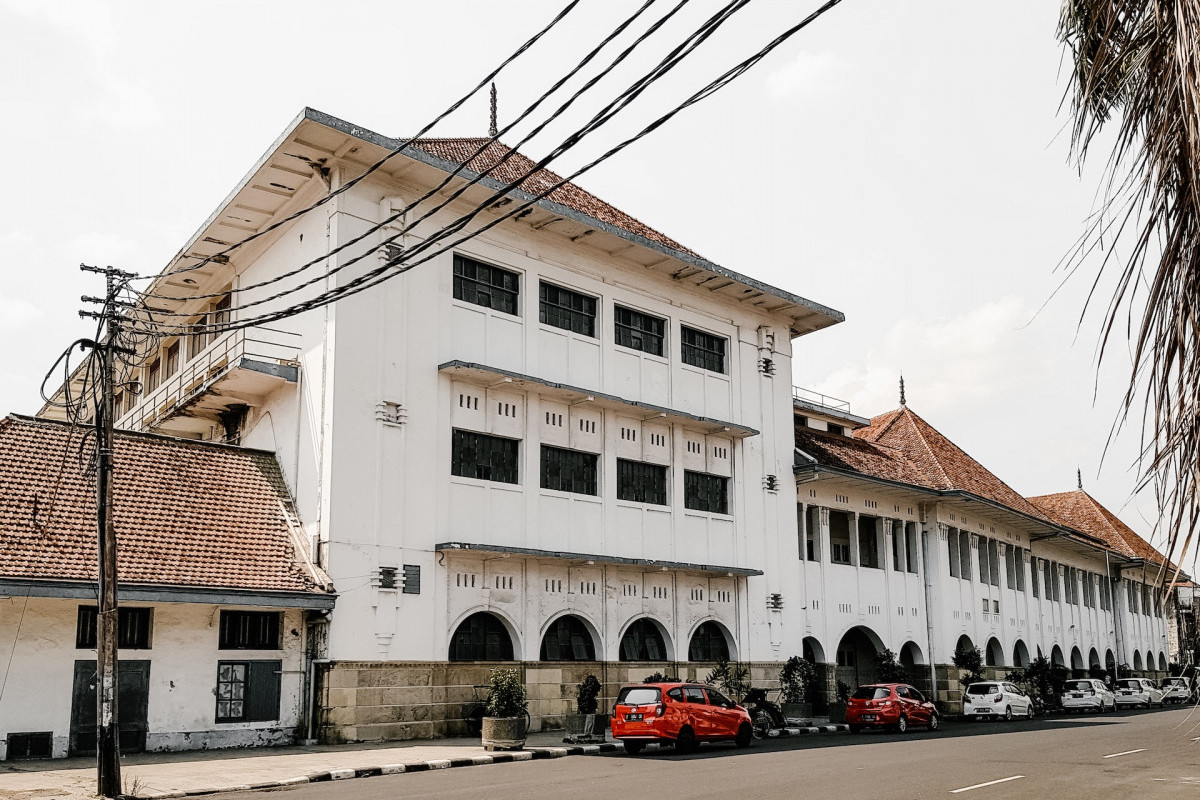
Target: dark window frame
point(253, 690)
point(481, 637)
point(642, 482)
point(250, 630)
point(565, 470)
point(639, 331)
point(702, 349)
point(486, 285)
point(567, 309)
point(568, 639)
point(484, 457)
point(135, 625)
point(705, 492)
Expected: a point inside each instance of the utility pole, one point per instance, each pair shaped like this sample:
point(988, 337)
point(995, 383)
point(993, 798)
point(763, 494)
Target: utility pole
point(108, 753)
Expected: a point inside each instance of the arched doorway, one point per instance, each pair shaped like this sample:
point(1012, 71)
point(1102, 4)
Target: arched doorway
point(812, 651)
point(1056, 657)
point(710, 642)
point(1137, 661)
point(1094, 660)
point(1110, 662)
point(568, 639)
point(1162, 661)
point(1020, 654)
point(994, 654)
point(481, 637)
point(644, 640)
point(856, 656)
point(1076, 661)
point(910, 657)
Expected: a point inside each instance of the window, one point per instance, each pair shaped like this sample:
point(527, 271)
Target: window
point(249, 630)
point(1010, 565)
point(485, 285)
point(219, 316)
point(195, 338)
point(898, 546)
point(639, 331)
point(702, 349)
point(152, 375)
point(1055, 582)
point(1049, 586)
point(568, 470)
point(488, 458)
point(568, 640)
point(868, 543)
point(708, 644)
point(1033, 576)
point(703, 492)
point(836, 430)
point(641, 483)
point(913, 543)
point(985, 575)
point(248, 691)
point(952, 549)
point(481, 637)
point(993, 556)
point(171, 359)
point(839, 537)
point(133, 628)
point(643, 642)
point(1017, 556)
point(812, 533)
point(566, 309)
point(964, 554)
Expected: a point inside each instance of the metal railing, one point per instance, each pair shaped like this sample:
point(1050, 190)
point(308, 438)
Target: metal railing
point(197, 375)
point(816, 398)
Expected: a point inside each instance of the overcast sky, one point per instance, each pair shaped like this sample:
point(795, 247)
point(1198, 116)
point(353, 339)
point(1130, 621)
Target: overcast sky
point(903, 162)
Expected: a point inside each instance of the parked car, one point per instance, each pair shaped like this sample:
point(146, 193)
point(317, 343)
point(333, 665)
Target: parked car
point(1178, 690)
point(1087, 694)
point(891, 705)
point(996, 700)
point(682, 714)
point(1137, 692)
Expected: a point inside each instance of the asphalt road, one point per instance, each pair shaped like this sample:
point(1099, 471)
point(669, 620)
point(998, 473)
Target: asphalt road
point(1137, 754)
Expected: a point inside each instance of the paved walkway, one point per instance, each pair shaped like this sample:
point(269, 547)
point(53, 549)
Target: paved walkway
point(161, 775)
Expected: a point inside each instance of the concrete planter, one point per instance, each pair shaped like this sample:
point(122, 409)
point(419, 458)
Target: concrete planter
point(797, 710)
point(587, 725)
point(503, 733)
point(837, 712)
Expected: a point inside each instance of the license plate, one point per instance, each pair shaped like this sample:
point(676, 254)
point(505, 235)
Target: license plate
point(983, 711)
point(868, 717)
point(1077, 696)
point(633, 717)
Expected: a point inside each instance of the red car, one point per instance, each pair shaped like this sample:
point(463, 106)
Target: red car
point(892, 705)
point(682, 714)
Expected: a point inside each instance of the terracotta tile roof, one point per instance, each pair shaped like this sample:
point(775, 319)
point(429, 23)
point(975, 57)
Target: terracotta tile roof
point(943, 464)
point(869, 459)
point(187, 514)
point(1082, 512)
point(461, 150)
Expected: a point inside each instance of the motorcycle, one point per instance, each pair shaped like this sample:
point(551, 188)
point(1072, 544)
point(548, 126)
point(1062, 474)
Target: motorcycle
point(766, 717)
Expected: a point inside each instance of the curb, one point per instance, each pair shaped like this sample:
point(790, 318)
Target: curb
point(534, 754)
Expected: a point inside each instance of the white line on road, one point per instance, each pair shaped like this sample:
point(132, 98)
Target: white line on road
point(1127, 753)
point(989, 783)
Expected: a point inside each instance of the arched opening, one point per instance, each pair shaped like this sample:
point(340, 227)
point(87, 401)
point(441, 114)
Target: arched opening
point(1020, 654)
point(710, 642)
point(1162, 661)
point(1137, 661)
point(1149, 661)
point(1056, 657)
point(644, 641)
point(856, 656)
point(1094, 659)
point(812, 651)
point(1110, 662)
point(568, 639)
point(994, 654)
point(481, 637)
point(911, 656)
point(1039, 652)
point(964, 644)
point(1076, 661)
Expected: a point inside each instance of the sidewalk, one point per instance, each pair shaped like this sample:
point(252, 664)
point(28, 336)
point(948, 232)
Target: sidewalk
point(159, 775)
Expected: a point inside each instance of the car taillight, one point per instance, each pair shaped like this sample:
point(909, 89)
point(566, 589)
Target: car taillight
point(998, 698)
point(885, 704)
point(660, 710)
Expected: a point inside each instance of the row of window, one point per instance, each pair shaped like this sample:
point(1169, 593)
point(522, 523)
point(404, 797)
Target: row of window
point(905, 541)
point(483, 637)
point(239, 630)
point(495, 458)
point(499, 289)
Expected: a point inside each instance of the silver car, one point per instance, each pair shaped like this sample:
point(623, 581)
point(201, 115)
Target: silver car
point(996, 700)
point(1087, 694)
point(1178, 690)
point(1137, 692)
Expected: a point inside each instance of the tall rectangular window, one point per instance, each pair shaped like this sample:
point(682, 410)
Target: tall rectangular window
point(812, 534)
point(898, 546)
point(152, 375)
point(1047, 583)
point(641, 483)
point(248, 691)
point(569, 470)
point(868, 542)
point(993, 554)
point(639, 331)
point(1055, 582)
point(964, 554)
point(566, 309)
point(249, 630)
point(1033, 576)
point(133, 628)
point(839, 537)
point(912, 542)
point(1010, 565)
point(219, 316)
point(702, 349)
point(485, 285)
point(952, 549)
point(985, 563)
point(1017, 555)
point(478, 455)
point(171, 359)
point(704, 492)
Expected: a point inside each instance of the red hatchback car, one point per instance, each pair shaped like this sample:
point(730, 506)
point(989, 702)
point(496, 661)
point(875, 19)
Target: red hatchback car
point(892, 705)
point(683, 714)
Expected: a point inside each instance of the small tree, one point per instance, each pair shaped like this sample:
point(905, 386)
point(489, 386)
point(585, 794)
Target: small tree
point(658, 677)
point(843, 691)
point(970, 660)
point(587, 695)
point(732, 679)
point(888, 668)
point(1042, 681)
point(507, 697)
point(796, 680)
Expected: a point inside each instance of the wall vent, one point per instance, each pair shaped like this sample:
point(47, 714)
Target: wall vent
point(390, 413)
point(771, 483)
point(775, 601)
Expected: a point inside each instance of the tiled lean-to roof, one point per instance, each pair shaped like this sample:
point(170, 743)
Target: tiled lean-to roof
point(1082, 512)
point(187, 514)
point(856, 455)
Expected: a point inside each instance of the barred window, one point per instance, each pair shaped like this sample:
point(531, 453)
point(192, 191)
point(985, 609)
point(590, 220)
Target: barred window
point(702, 349)
point(568, 310)
point(641, 483)
point(133, 628)
point(488, 458)
point(639, 331)
point(703, 492)
point(485, 285)
point(568, 470)
point(249, 630)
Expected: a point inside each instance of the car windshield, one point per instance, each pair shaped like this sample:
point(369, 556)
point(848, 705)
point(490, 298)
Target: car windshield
point(871, 693)
point(982, 688)
point(1078, 686)
point(1129, 683)
point(639, 695)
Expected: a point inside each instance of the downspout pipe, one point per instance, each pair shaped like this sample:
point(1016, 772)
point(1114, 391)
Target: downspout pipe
point(933, 685)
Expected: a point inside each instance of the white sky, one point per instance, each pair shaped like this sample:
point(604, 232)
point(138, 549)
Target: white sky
point(903, 162)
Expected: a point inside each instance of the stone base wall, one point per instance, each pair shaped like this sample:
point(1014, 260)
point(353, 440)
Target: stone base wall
point(366, 701)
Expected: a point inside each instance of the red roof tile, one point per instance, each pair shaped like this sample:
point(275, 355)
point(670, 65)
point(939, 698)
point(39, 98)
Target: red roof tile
point(1079, 510)
point(186, 513)
point(869, 459)
point(462, 150)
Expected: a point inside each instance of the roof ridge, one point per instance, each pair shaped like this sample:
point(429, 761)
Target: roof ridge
point(925, 442)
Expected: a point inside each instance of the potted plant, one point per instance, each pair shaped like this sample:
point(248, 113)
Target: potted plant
point(586, 725)
point(505, 721)
point(837, 711)
point(795, 682)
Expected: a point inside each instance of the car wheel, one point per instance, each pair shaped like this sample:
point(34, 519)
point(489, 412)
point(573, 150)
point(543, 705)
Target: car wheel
point(902, 724)
point(934, 722)
point(685, 741)
point(856, 728)
point(762, 724)
point(745, 735)
point(632, 747)
point(1008, 713)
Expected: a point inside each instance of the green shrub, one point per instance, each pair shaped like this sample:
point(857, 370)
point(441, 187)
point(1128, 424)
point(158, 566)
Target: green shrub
point(843, 691)
point(507, 697)
point(796, 680)
point(970, 660)
point(888, 668)
point(587, 695)
point(732, 679)
point(658, 677)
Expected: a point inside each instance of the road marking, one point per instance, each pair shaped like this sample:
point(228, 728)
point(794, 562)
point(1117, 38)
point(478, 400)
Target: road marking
point(989, 783)
point(1127, 753)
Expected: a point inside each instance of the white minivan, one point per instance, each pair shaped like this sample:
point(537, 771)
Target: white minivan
point(1137, 692)
point(1087, 694)
point(996, 700)
point(1178, 690)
